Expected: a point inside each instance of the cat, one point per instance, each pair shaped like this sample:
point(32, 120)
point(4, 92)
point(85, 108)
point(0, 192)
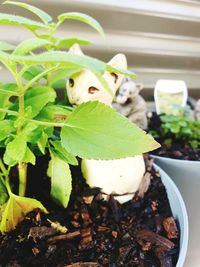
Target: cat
point(130, 104)
point(121, 177)
point(86, 87)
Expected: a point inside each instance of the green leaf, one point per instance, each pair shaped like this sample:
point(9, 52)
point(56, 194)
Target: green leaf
point(42, 142)
point(6, 128)
point(21, 21)
point(64, 58)
point(128, 73)
point(175, 128)
point(96, 131)
point(54, 113)
point(46, 18)
point(38, 97)
point(29, 45)
point(3, 193)
point(61, 180)
point(32, 132)
point(16, 209)
point(32, 72)
point(83, 18)
point(68, 42)
point(63, 154)
point(64, 73)
point(16, 149)
point(60, 84)
point(29, 157)
point(4, 46)
point(6, 91)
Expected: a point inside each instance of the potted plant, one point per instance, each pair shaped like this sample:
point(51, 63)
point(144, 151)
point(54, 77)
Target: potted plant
point(41, 135)
point(180, 158)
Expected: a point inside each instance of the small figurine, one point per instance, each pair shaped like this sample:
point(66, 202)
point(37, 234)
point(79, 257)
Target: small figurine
point(120, 177)
point(197, 110)
point(130, 104)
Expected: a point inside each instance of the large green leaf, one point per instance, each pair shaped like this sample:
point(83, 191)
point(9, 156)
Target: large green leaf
point(83, 18)
point(66, 58)
point(29, 45)
point(95, 131)
point(61, 180)
point(46, 18)
point(38, 97)
point(68, 42)
point(4, 46)
point(21, 21)
point(15, 210)
point(16, 149)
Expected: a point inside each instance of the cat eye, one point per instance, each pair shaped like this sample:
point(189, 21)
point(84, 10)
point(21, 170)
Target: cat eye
point(71, 82)
point(115, 76)
point(92, 90)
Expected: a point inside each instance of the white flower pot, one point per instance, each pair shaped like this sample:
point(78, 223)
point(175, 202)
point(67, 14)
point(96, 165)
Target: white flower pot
point(179, 212)
point(186, 175)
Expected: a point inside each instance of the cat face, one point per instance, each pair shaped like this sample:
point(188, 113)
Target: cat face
point(86, 87)
point(128, 90)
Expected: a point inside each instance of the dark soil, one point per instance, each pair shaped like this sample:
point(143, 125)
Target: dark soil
point(141, 232)
point(178, 149)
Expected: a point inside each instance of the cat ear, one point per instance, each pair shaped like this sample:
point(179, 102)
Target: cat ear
point(75, 49)
point(118, 61)
point(139, 86)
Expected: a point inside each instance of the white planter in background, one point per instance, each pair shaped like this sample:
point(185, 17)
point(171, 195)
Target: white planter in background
point(186, 175)
point(179, 212)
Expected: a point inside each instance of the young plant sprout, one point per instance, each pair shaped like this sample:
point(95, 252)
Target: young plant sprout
point(34, 122)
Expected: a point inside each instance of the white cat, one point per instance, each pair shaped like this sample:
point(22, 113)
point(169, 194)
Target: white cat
point(120, 177)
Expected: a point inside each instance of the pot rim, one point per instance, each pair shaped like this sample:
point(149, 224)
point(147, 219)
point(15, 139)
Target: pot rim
point(194, 162)
point(185, 234)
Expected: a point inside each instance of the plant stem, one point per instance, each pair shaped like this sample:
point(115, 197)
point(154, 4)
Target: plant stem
point(3, 168)
point(50, 124)
point(22, 169)
point(10, 112)
point(22, 166)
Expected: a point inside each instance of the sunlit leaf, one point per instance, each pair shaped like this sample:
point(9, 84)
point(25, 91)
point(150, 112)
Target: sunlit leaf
point(65, 58)
point(95, 131)
point(4, 46)
point(16, 209)
point(21, 21)
point(68, 42)
point(83, 18)
point(46, 18)
point(29, 45)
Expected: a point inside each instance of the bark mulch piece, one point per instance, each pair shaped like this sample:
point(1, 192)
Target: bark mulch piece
point(141, 232)
point(178, 149)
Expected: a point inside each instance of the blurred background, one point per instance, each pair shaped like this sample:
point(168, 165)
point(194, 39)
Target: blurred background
point(161, 38)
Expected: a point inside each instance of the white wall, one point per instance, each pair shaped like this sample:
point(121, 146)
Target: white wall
point(161, 38)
